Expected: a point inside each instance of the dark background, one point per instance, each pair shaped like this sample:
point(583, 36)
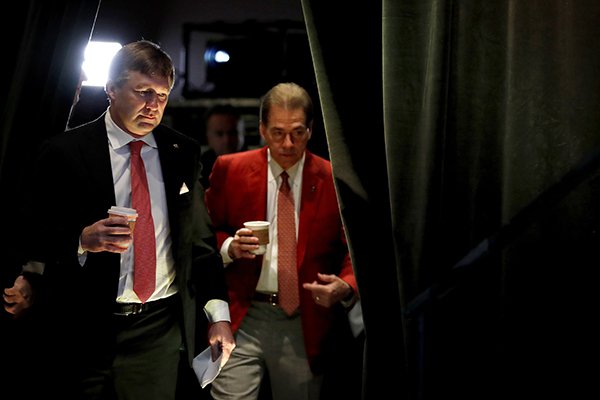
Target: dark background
point(266, 39)
point(43, 61)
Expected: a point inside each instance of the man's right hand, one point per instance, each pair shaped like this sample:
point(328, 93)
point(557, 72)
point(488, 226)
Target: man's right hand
point(241, 245)
point(110, 234)
point(19, 298)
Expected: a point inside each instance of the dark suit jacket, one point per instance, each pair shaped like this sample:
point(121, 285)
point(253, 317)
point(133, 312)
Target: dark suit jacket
point(238, 193)
point(208, 159)
point(74, 188)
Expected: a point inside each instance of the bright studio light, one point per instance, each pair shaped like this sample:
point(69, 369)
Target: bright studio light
point(97, 58)
point(221, 56)
point(216, 55)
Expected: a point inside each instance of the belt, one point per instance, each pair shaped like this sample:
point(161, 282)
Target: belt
point(266, 297)
point(139, 308)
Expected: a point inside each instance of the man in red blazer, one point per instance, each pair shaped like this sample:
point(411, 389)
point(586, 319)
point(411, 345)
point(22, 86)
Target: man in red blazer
point(289, 349)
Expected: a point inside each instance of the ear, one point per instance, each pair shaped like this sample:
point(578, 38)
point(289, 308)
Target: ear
point(262, 129)
point(110, 89)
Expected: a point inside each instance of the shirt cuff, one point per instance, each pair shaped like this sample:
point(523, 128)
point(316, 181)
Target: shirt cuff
point(36, 267)
point(217, 310)
point(81, 254)
point(225, 251)
point(80, 250)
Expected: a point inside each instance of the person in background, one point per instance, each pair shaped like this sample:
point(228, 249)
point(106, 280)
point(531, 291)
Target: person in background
point(76, 97)
point(280, 337)
point(224, 135)
point(106, 337)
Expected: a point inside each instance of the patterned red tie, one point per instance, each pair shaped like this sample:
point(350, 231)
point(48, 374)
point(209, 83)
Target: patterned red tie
point(144, 242)
point(287, 273)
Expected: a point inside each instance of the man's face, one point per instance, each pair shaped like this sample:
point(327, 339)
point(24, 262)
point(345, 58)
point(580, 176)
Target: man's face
point(222, 133)
point(286, 134)
point(138, 105)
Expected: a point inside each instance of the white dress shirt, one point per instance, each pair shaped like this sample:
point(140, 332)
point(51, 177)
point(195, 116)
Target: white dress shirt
point(118, 144)
point(120, 161)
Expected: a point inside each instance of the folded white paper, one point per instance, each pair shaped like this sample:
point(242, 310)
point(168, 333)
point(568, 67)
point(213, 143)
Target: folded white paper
point(205, 368)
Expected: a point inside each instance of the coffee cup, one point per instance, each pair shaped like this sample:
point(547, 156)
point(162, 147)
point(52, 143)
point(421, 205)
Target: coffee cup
point(130, 213)
point(260, 229)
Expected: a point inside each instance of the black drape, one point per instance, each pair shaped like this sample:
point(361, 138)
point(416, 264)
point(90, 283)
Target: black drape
point(348, 66)
point(44, 44)
point(453, 125)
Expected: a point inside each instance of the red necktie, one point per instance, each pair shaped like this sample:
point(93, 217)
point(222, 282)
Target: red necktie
point(287, 273)
point(144, 242)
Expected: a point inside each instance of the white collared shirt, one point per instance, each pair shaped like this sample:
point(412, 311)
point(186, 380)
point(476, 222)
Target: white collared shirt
point(268, 274)
point(118, 141)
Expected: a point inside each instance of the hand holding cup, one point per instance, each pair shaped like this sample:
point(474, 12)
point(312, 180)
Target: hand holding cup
point(260, 229)
point(130, 213)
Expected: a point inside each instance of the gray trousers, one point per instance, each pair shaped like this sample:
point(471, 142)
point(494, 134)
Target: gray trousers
point(268, 342)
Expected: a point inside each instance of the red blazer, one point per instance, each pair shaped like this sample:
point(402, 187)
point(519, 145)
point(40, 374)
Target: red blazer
point(238, 193)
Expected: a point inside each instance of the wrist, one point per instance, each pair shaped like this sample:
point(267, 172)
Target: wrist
point(350, 299)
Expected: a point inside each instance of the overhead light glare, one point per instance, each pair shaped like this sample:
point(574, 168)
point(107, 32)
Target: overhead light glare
point(97, 58)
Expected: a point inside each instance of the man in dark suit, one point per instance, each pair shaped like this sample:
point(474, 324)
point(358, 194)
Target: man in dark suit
point(287, 347)
point(115, 341)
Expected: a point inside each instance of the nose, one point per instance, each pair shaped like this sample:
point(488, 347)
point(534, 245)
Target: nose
point(287, 140)
point(152, 101)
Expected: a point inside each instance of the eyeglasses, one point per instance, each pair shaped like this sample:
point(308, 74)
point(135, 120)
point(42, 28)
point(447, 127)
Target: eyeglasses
point(297, 134)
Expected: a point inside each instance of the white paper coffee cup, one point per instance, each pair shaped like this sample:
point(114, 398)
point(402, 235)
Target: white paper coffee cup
point(260, 229)
point(130, 213)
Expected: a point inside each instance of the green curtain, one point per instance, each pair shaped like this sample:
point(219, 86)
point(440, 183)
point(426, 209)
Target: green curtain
point(462, 128)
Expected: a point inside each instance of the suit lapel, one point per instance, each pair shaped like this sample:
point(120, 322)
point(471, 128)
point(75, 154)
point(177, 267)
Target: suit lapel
point(97, 161)
point(311, 185)
point(171, 154)
point(258, 182)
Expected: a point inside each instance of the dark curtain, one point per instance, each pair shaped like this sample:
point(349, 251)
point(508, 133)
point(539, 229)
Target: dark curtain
point(43, 50)
point(45, 43)
point(464, 142)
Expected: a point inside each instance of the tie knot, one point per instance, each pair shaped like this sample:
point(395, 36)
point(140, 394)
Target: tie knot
point(284, 177)
point(136, 146)
point(284, 181)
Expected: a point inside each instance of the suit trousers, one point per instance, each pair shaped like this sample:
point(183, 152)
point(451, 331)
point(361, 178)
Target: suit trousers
point(268, 342)
point(144, 361)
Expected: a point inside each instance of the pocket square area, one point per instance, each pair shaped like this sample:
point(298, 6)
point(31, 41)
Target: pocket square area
point(184, 189)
